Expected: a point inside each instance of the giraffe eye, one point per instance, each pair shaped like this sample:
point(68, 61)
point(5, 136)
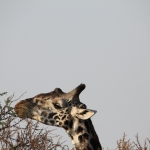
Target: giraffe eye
point(57, 106)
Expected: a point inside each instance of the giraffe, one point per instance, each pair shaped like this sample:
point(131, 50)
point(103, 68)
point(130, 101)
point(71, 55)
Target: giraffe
point(63, 110)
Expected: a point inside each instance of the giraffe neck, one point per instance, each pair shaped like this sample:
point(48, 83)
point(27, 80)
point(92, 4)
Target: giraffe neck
point(83, 135)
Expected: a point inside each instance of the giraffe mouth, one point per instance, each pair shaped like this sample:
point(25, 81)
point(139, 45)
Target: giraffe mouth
point(23, 109)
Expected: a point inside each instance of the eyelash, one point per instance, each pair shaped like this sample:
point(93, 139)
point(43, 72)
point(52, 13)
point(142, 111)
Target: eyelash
point(56, 106)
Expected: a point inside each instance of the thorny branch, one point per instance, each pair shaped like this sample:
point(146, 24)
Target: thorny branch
point(124, 144)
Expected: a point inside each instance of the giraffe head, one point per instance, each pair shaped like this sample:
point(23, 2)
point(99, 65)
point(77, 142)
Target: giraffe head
point(47, 108)
point(62, 110)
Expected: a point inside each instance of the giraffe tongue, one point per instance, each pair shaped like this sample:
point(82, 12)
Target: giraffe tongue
point(74, 94)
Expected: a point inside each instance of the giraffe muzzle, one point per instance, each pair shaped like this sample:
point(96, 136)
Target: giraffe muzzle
point(23, 109)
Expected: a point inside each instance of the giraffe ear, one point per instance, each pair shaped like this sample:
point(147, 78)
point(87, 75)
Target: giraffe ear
point(85, 113)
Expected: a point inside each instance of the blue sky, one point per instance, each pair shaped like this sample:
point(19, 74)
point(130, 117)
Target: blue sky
point(104, 44)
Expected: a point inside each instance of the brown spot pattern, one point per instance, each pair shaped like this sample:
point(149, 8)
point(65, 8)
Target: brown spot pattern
point(80, 129)
point(51, 115)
